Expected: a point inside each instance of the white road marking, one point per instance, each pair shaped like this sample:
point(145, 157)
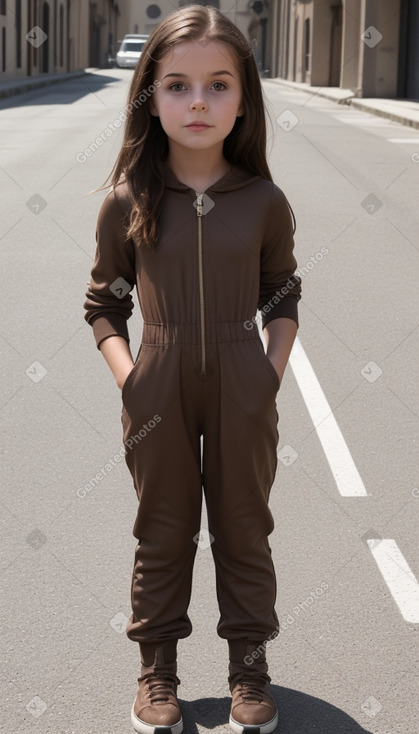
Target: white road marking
point(346, 475)
point(372, 120)
point(398, 577)
point(411, 141)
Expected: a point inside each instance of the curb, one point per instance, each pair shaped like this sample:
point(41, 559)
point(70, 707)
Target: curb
point(334, 94)
point(9, 89)
point(346, 96)
point(394, 116)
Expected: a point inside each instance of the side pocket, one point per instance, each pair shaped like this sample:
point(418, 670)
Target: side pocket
point(269, 366)
point(273, 372)
point(130, 377)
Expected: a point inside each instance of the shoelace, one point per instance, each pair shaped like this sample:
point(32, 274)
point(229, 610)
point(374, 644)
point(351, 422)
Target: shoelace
point(161, 686)
point(250, 687)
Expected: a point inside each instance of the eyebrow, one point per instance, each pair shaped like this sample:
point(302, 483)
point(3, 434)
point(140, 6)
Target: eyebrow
point(213, 73)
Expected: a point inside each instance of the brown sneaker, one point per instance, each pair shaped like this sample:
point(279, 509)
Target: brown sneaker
point(156, 708)
point(252, 708)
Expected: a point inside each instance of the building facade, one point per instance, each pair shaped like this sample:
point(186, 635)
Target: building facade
point(41, 37)
point(142, 16)
point(368, 46)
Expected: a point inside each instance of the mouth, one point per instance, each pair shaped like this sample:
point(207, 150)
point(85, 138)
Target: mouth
point(198, 126)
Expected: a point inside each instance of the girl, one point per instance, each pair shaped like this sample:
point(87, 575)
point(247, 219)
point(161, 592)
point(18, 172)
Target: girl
point(195, 222)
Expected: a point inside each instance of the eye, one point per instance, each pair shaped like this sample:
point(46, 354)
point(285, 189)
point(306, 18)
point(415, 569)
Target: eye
point(177, 84)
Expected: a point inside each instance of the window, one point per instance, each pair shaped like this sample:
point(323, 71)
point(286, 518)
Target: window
point(18, 14)
point(134, 46)
point(2, 7)
point(307, 44)
point(61, 36)
point(3, 49)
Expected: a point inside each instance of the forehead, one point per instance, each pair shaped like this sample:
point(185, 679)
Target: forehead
point(198, 56)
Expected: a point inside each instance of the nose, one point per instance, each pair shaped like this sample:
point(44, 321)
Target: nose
point(198, 102)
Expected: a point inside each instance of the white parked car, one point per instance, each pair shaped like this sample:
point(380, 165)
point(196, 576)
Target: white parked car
point(130, 51)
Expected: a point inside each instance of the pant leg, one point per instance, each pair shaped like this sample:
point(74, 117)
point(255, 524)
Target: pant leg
point(165, 463)
point(239, 465)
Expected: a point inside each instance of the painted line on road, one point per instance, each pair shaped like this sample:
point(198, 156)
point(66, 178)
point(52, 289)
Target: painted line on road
point(414, 141)
point(399, 578)
point(342, 465)
point(361, 120)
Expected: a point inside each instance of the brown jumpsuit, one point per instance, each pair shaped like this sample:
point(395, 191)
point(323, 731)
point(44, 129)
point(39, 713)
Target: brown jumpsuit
point(201, 371)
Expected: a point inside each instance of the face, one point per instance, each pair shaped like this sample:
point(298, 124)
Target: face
point(199, 82)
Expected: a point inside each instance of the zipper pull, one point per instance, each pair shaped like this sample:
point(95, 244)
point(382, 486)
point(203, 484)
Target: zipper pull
point(199, 204)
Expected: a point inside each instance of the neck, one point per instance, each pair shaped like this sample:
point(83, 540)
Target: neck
point(197, 164)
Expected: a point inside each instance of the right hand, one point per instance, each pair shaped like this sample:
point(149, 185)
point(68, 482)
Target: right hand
point(116, 351)
point(120, 380)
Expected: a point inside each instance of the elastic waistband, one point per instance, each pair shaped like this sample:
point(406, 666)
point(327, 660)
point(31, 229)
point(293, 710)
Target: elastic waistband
point(221, 331)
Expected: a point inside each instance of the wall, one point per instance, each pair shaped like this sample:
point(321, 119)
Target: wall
point(379, 63)
point(338, 56)
point(351, 42)
point(141, 22)
point(67, 40)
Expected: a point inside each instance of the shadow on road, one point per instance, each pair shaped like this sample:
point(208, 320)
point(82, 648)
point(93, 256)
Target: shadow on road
point(298, 714)
point(66, 91)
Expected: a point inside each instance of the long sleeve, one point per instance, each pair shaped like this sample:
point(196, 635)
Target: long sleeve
point(280, 288)
point(109, 303)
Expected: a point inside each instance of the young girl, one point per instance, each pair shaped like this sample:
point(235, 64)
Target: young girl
point(195, 222)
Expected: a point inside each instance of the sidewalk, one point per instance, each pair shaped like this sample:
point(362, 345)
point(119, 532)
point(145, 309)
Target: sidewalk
point(404, 111)
point(27, 84)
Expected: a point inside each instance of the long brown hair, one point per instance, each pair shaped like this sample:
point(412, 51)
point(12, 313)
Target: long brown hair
point(141, 160)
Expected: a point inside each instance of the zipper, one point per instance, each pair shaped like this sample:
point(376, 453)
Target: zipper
point(201, 283)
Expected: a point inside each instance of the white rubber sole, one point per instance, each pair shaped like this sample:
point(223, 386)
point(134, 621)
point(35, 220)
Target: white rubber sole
point(266, 728)
point(143, 728)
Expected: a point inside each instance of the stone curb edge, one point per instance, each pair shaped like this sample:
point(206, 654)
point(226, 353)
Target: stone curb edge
point(347, 97)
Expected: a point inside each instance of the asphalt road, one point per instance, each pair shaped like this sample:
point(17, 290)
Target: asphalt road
point(346, 495)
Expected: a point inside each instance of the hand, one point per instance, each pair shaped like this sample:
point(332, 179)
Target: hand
point(121, 378)
point(279, 375)
point(280, 334)
point(116, 351)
